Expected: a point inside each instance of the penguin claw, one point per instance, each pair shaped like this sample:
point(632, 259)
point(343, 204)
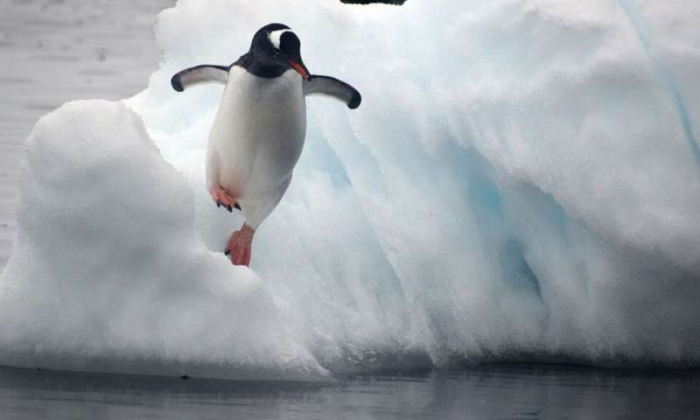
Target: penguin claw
point(223, 198)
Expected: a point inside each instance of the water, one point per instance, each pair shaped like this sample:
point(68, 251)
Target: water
point(496, 391)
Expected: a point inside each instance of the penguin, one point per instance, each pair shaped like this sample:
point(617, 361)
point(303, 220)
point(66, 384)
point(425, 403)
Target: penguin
point(258, 134)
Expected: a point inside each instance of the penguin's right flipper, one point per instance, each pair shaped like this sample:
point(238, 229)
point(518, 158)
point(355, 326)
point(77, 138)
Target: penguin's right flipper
point(326, 85)
point(205, 73)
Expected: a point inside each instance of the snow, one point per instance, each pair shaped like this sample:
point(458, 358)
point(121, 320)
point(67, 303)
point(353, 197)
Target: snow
point(108, 273)
point(520, 182)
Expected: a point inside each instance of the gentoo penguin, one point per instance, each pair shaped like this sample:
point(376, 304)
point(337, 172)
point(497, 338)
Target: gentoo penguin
point(259, 129)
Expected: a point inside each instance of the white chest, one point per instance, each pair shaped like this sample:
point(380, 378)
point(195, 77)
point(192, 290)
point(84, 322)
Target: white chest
point(259, 130)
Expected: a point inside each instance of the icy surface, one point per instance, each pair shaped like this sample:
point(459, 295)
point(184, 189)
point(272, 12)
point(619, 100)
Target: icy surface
point(108, 273)
point(522, 181)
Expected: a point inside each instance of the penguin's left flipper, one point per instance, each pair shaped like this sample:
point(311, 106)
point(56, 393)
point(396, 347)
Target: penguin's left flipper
point(205, 73)
point(330, 86)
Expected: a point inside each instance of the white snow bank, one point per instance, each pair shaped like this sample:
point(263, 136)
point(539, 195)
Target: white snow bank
point(522, 181)
point(107, 272)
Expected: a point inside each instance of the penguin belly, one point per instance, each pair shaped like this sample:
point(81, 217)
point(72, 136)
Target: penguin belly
point(256, 140)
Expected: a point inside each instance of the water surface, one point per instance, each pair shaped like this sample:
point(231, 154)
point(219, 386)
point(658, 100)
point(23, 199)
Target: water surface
point(509, 391)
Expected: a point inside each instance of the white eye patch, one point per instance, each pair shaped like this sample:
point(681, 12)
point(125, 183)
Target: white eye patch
point(275, 36)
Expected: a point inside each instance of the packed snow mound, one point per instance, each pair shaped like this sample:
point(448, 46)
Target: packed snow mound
point(522, 181)
point(108, 273)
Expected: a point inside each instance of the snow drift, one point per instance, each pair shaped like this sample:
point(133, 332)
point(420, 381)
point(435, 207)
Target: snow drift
point(522, 181)
point(107, 271)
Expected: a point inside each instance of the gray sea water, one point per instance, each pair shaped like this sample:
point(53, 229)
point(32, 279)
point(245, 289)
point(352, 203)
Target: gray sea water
point(57, 50)
point(509, 391)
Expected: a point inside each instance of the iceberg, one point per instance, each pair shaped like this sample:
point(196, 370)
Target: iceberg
point(522, 182)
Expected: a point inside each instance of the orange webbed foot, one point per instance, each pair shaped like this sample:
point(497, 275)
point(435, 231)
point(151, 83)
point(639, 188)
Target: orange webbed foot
point(239, 246)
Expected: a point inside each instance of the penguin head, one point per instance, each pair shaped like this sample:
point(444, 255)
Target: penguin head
point(276, 45)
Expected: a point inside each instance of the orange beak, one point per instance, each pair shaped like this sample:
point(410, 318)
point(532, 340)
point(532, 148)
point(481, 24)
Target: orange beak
point(300, 69)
